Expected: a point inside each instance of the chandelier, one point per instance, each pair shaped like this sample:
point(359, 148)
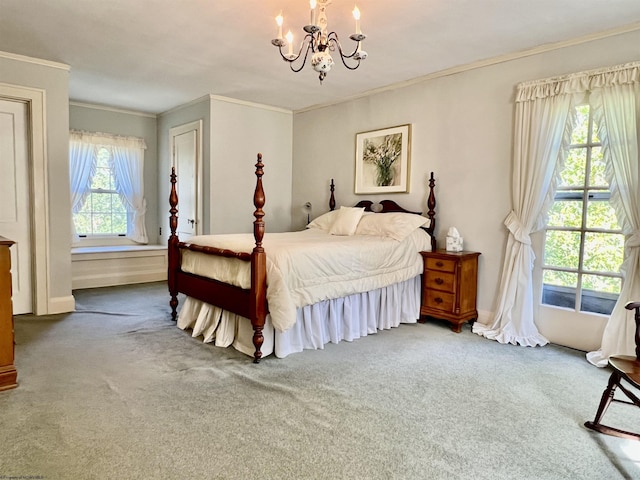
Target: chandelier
point(319, 43)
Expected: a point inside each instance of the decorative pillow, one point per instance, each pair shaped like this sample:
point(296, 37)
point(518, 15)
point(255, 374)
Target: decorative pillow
point(396, 225)
point(346, 221)
point(324, 221)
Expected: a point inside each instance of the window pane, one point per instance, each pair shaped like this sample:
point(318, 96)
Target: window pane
point(594, 133)
point(118, 206)
point(600, 214)
point(102, 223)
point(102, 158)
point(82, 222)
point(579, 135)
point(119, 223)
point(102, 179)
point(101, 202)
point(603, 252)
point(599, 293)
point(565, 213)
point(574, 168)
point(562, 249)
point(596, 175)
point(559, 288)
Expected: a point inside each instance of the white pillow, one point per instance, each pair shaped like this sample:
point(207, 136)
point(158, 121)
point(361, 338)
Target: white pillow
point(324, 221)
point(346, 221)
point(396, 225)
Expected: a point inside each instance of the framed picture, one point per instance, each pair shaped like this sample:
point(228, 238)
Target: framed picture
point(383, 160)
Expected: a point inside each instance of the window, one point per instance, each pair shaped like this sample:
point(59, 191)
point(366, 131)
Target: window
point(584, 245)
point(106, 174)
point(103, 213)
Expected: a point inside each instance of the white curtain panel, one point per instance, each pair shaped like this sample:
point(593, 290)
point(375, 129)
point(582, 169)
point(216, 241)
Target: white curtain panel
point(616, 113)
point(82, 168)
point(542, 137)
point(128, 168)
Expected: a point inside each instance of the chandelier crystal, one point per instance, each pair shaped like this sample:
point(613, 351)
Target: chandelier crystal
point(319, 43)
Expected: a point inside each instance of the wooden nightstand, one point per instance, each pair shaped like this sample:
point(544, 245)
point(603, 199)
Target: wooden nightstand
point(449, 286)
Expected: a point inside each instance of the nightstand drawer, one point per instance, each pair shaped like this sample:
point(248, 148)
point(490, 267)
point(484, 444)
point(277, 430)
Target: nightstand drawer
point(439, 300)
point(440, 264)
point(439, 280)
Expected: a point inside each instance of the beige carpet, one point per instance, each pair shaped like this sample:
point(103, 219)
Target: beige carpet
point(117, 391)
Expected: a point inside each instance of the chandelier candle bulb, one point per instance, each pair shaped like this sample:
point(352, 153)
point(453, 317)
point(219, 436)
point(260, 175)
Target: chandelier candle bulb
point(290, 42)
point(279, 21)
point(356, 15)
point(313, 4)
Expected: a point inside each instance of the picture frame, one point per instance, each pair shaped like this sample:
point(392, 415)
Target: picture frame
point(383, 160)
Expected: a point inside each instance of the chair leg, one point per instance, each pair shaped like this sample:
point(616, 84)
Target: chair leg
point(607, 398)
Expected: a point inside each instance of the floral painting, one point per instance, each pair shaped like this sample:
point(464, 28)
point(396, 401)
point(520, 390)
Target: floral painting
point(382, 160)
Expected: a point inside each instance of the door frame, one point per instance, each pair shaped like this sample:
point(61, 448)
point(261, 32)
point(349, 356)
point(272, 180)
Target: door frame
point(37, 170)
point(179, 130)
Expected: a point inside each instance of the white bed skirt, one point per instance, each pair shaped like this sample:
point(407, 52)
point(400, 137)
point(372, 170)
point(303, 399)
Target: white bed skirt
point(346, 318)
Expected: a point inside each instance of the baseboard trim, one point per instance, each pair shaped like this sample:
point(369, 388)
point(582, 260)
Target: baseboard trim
point(62, 304)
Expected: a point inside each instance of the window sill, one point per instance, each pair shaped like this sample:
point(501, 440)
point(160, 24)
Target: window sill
point(116, 249)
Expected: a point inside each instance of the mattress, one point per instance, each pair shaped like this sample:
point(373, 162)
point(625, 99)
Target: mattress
point(312, 266)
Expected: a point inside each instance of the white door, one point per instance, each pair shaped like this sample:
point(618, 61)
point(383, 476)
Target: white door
point(186, 147)
point(15, 217)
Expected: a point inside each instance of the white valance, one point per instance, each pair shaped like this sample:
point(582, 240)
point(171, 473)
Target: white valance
point(107, 139)
point(627, 73)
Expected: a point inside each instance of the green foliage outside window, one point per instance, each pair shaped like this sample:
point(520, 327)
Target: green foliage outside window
point(583, 244)
point(103, 213)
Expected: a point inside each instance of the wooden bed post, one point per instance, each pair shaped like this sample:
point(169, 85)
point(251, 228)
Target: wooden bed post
point(332, 198)
point(173, 251)
point(431, 213)
point(258, 305)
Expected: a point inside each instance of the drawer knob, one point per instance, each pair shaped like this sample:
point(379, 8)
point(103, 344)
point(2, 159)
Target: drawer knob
point(439, 281)
point(439, 264)
point(438, 300)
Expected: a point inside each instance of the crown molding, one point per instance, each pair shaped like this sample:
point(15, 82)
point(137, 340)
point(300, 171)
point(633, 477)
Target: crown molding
point(37, 61)
point(250, 104)
point(106, 108)
point(483, 63)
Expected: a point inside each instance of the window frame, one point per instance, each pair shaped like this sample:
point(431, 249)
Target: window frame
point(587, 193)
point(102, 239)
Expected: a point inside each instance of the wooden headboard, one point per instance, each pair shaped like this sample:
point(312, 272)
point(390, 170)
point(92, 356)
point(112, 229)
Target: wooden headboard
point(388, 206)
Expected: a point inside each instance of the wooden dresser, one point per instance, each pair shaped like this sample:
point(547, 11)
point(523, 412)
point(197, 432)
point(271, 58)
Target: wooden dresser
point(449, 286)
point(8, 372)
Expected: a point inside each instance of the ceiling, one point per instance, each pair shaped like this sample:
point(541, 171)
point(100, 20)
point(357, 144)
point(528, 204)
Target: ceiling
point(153, 55)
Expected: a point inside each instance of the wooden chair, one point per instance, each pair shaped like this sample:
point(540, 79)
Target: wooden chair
point(625, 367)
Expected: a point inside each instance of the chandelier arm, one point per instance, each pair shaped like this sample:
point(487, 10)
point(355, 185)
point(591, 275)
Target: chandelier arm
point(335, 41)
point(304, 60)
point(308, 41)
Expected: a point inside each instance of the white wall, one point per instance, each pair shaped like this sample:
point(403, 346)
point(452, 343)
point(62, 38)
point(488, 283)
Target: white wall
point(240, 131)
point(54, 80)
point(462, 130)
point(196, 110)
point(233, 133)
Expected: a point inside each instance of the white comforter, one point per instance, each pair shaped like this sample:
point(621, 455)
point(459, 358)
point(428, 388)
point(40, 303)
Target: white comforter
point(310, 266)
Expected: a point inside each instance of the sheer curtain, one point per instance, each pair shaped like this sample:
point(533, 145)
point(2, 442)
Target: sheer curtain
point(616, 113)
point(542, 137)
point(128, 167)
point(82, 167)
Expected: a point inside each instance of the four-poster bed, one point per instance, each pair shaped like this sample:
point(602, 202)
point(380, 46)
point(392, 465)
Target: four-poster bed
point(236, 275)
